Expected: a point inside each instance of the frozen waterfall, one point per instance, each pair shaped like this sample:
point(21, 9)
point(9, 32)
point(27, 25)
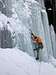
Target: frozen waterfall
point(28, 16)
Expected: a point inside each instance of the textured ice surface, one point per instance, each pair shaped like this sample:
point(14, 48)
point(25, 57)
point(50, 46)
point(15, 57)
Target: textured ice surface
point(53, 40)
point(27, 15)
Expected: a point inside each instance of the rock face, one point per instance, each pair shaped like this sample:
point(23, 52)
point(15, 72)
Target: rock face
point(6, 39)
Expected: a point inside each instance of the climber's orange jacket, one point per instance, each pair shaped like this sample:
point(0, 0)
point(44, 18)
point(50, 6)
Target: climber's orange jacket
point(37, 39)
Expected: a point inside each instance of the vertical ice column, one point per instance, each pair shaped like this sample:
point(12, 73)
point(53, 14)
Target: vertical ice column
point(28, 44)
point(22, 36)
point(37, 28)
point(47, 32)
point(23, 12)
point(24, 41)
point(53, 41)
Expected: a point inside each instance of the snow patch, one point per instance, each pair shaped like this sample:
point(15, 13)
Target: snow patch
point(16, 62)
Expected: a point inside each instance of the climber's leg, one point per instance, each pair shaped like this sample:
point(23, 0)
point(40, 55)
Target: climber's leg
point(37, 58)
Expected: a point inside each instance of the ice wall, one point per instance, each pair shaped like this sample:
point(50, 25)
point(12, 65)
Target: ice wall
point(29, 12)
point(47, 32)
point(37, 28)
point(53, 41)
point(21, 35)
point(23, 12)
point(29, 15)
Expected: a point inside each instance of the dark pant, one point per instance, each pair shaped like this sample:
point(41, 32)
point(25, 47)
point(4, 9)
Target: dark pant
point(37, 48)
